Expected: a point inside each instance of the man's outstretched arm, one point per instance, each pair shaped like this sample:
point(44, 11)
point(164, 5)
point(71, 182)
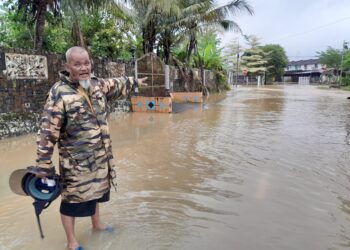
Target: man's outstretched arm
point(121, 86)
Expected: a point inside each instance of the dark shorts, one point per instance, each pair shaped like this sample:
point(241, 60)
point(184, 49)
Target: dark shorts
point(82, 209)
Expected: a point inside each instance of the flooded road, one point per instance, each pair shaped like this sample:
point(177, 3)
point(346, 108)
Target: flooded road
point(261, 168)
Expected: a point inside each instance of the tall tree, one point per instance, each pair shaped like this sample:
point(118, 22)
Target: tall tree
point(13, 31)
point(149, 15)
point(277, 60)
point(232, 53)
point(346, 61)
point(254, 59)
point(78, 9)
point(332, 58)
point(209, 53)
point(36, 11)
point(211, 14)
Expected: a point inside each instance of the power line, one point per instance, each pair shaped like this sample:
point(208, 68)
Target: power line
point(302, 56)
point(313, 29)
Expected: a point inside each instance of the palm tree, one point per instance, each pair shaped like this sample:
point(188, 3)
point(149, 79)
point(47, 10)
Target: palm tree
point(254, 59)
point(174, 27)
point(150, 15)
point(209, 14)
point(35, 11)
point(75, 8)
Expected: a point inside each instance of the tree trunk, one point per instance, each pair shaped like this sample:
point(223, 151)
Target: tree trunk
point(166, 54)
point(143, 41)
point(201, 67)
point(166, 46)
point(149, 38)
point(191, 47)
point(40, 25)
point(77, 35)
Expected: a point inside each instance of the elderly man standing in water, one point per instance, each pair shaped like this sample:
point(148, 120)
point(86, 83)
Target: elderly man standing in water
point(75, 117)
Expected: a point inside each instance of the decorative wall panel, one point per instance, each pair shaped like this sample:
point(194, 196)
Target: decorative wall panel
point(21, 66)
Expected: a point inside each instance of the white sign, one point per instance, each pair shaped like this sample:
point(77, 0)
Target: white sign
point(20, 66)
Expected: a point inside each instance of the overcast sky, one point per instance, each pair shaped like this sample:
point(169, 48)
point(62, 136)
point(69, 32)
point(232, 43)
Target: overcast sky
point(301, 27)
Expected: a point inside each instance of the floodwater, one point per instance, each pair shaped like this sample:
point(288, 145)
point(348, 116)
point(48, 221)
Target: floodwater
point(260, 168)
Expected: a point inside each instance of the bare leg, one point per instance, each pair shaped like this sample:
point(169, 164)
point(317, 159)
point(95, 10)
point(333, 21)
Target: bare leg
point(96, 220)
point(68, 225)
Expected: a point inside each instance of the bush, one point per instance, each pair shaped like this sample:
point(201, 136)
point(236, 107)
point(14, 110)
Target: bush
point(222, 83)
point(345, 81)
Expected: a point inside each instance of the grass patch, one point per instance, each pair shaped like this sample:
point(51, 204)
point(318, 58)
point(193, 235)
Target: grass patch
point(347, 88)
point(323, 87)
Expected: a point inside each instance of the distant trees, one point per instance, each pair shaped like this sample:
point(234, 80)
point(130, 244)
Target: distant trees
point(268, 61)
point(103, 26)
point(180, 31)
point(332, 58)
point(338, 61)
point(231, 54)
point(277, 60)
point(254, 59)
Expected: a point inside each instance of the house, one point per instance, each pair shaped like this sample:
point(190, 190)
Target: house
point(303, 71)
point(304, 65)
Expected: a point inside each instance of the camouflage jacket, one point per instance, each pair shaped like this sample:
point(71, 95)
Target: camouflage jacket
point(81, 132)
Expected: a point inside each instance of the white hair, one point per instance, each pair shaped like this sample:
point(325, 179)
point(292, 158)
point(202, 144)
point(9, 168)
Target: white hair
point(74, 49)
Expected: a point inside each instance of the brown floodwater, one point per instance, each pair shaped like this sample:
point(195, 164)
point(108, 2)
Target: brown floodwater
point(259, 168)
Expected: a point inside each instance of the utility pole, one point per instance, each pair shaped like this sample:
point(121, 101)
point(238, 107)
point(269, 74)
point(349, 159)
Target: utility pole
point(237, 64)
point(345, 47)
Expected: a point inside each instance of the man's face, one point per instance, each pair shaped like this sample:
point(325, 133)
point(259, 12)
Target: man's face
point(79, 66)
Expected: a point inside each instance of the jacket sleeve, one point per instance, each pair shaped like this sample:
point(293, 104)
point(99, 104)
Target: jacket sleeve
point(117, 87)
point(49, 132)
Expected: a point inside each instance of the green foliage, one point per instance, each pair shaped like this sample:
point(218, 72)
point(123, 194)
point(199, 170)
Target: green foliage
point(35, 13)
point(199, 14)
point(109, 30)
point(150, 17)
point(346, 61)
point(331, 57)
point(14, 32)
point(106, 37)
point(107, 33)
point(347, 88)
point(277, 60)
point(179, 53)
point(57, 39)
point(254, 59)
point(209, 54)
point(221, 80)
point(231, 54)
point(346, 80)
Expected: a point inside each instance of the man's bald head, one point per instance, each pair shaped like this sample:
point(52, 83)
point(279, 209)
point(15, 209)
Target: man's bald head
point(74, 50)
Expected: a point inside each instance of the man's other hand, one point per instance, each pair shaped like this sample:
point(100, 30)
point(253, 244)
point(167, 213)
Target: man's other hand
point(142, 81)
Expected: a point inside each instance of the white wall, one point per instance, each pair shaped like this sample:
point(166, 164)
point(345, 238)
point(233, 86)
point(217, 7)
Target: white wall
point(306, 67)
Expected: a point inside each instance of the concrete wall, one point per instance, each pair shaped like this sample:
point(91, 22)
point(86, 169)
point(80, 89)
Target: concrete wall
point(26, 77)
